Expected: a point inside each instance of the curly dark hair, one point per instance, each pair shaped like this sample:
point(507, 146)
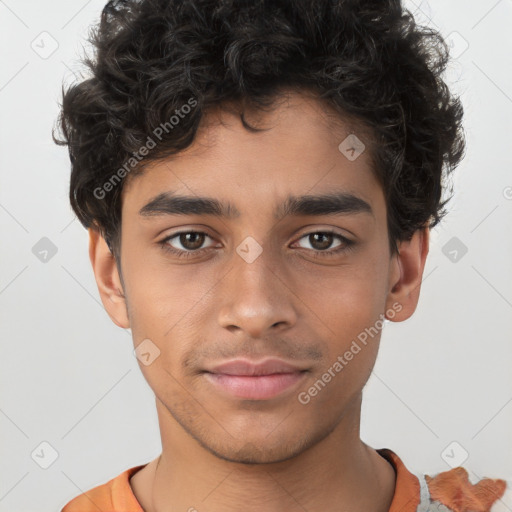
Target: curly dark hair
point(366, 60)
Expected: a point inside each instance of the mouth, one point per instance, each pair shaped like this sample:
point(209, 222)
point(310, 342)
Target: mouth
point(255, 387)
point(242, 378)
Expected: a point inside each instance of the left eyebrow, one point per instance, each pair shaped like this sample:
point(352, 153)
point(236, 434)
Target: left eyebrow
point(343, 203)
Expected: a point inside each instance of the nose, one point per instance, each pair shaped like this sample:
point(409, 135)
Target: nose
point(255, 297)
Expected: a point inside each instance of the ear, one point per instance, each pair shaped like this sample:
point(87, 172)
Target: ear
point(406, 274)
point(107, 279)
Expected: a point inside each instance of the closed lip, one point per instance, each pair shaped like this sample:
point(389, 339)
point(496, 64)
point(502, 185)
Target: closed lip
point(247, 367)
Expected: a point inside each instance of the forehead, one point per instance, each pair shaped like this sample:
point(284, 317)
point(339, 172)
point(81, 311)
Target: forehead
point(302, 148)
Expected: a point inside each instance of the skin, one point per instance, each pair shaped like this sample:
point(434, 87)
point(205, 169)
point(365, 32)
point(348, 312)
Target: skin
point(219, 452)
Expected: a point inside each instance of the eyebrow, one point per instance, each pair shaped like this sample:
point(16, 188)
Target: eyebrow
point(342, 203)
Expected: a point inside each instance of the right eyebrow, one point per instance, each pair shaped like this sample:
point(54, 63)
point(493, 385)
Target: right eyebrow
point(168, 203)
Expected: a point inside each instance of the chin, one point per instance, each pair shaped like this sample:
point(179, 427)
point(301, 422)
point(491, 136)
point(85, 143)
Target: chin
point(261, 451)
point(251, 454)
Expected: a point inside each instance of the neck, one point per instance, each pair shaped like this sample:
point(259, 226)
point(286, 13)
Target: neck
point(340, 472)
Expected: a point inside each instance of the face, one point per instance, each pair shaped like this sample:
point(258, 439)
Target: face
point(261, 273)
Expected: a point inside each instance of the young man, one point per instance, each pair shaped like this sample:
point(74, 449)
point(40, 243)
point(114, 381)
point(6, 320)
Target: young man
point(259, 179)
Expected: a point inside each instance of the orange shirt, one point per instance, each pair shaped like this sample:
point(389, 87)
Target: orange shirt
point(449, 491)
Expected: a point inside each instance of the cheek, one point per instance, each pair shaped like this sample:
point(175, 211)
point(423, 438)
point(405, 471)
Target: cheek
point(167, 305)
point(349, 307)
point(348, 297)
point(352, 326)
point(158, 290)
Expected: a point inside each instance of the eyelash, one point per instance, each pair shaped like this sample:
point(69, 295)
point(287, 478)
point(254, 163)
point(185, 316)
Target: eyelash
point(346, 246)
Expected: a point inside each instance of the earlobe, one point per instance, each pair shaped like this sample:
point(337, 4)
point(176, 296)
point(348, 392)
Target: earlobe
point(406, 275)
point(107, 279)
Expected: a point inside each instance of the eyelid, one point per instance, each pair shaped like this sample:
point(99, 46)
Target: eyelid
point(176, 234)
point(344, 240)
point(335, 230)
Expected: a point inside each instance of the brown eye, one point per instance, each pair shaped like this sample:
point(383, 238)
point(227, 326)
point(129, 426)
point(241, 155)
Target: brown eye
point(191, 241)
point(322, 240)
point(185, 242)
point(321, 243)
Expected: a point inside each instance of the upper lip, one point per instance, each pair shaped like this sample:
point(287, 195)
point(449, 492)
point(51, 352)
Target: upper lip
point(247, 367)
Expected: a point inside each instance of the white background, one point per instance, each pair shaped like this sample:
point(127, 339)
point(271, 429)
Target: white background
point(69, 376)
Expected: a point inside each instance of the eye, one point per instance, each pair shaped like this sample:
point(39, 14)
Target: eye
point(321, 241)
point(190, 241)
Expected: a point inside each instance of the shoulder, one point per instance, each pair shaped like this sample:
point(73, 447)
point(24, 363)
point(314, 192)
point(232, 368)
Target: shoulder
point(97, 498)
point(116, 494)
point(455, 491)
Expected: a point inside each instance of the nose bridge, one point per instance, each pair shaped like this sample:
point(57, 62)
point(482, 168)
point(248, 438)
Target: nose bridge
point(254, 297)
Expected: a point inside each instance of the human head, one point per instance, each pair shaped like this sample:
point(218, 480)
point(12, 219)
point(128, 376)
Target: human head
point(271, 89)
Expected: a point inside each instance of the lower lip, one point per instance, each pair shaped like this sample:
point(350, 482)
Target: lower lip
point(251, 387)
